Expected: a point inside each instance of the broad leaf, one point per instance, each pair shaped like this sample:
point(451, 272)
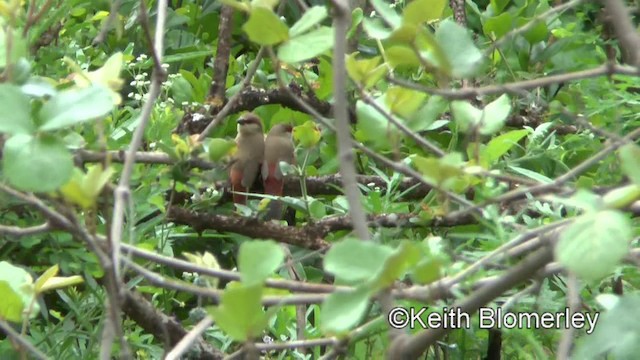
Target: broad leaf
point(630, 161)
point(306, 46)
point(240, 312)
point(353, 261)
point(265, 27)
point(15, 111)
point(341, 311)
point(258, 260)
point(457, 44)
point(595, 244)
point(39, 164)
point(72, 107)
point(313, 16)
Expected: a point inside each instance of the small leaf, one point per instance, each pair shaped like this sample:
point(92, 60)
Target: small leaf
point(40, 164)
point(219, 148)
point(467, 116)
point(108, 76)
point(404, 102)
point(258, 260)
point(15, 111)
point(307, 46)
point(341, 311)
point(595, 244)
point(17, 289)
point(500, 145)
point(395, 266)
point(421, 11)
point(307, 135)
point(48, 274)
point(240, 313)
point(459, 48)
point(495, 115)
point(387, 13)
point(312, 17)
point(426, 117)
point(353, 261)
point(265, 28)
point(374, 127)
point(630, 161)
point(75, 106)
point(60, 282)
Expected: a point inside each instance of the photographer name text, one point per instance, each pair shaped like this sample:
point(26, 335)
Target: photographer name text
point(491, 318)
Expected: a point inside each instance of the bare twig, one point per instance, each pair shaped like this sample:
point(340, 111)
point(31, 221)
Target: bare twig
point(223, 51)
point(21, 341)
point(106, 26)
point(187, 341)
point(18, 231)
point(625, 30)
point(341, 23)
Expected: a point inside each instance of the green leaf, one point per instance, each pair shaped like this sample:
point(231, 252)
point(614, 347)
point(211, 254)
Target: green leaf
point(376, 29)
point(219, 148)
point(426, 117)
point(487, 121)
point(366, 72)
point(312, 17)
point(240, 313)
point(457, 44)
point(501, 144)
point(341, 311)
point(353, 261)
point(19, 46)
point(15, 111)
point(258, 260)
point(531, 174)
point(404, 257)
point(440, 171)
point(307, 46)
point(307, 135)
point(265, 27)
point(594, 244)
point(12, 304)
point(18, 293)
point(39, 164)
point(420, 11)
point(617, 334)
point(401, 55)
point(83, 189)
point(374, 127)
point(404, 102)
point(630, 161)
point(387, 13)
point(181, 90)
point(621, 197)
point(75, 106)
point(467, 116)
point(495, 115)
point(498, 26)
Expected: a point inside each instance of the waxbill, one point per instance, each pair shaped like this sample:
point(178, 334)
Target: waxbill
point(278, 147)
point(248, 157)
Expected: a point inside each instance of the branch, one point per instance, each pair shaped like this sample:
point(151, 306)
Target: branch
point(414, 346)
point(163, 327)
point(223, 51)
point(250, 227)
point(625, 30)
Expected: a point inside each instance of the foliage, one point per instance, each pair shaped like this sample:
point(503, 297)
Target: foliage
point(522, 161)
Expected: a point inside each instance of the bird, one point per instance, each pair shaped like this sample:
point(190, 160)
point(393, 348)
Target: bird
point(246, 162)
point(278, 147)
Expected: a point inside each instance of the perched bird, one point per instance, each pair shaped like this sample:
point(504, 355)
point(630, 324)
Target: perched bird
point(278, 147)
point(248, 157)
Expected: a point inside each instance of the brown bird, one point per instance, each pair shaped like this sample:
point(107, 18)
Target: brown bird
point(278, 147)
point(248, 157)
